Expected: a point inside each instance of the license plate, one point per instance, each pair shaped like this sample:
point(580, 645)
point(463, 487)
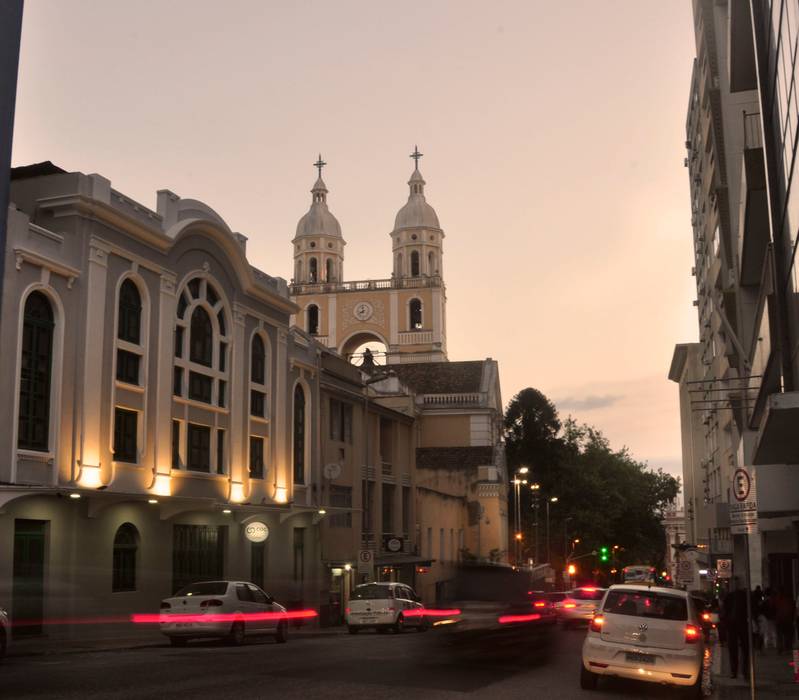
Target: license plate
point(368, 620)
point(637, 658)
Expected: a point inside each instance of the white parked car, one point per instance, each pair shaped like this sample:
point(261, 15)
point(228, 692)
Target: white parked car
point(229, 609)
point(647, 633)
point(5, 632)
point(384, 606)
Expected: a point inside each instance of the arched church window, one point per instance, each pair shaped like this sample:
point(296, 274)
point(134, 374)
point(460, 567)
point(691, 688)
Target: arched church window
point(312, 271)
point(129, 322)
point(299, 435)
point(258, 361)
point(415, 263)
point(201, 341)
point(36, 365)
point(415, 314)
point(313, 319)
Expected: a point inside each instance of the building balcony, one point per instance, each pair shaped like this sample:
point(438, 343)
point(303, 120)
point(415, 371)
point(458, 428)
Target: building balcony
point(465, 399)
point(386, 469)
point(365, 285)
point(416, 338)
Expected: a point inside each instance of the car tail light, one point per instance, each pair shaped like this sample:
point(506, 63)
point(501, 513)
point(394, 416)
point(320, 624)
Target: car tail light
point(540, 604)
point(596, 623)
point(589, 589)
point(706, 617)
point(165, 606)
point(213, 603)
point(346, 611)
point(569, 604)
point(691, 634)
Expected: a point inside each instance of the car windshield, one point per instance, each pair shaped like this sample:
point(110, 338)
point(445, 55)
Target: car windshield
point(587, 594)
point(371, 592)
point(204, 588)
point(646, 604)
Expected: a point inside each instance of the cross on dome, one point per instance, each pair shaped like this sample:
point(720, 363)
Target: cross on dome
point(416, 155)
point(319, 165)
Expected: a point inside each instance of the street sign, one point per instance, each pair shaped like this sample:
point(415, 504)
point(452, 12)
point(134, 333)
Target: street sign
point(366, 560)
point(724, 568)
point(685, 571)
point(743, 509)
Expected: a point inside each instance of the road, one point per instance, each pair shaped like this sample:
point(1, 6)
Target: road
point(332, 666)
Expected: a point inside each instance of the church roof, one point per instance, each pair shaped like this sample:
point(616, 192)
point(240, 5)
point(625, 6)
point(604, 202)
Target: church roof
point(318, 220)
point(441, 377)
point(416, 212)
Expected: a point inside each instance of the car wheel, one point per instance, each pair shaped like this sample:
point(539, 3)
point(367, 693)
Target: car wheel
point(178, 641)
point(236, 636)
point(282, 634)
point(588, 680)
point(352, 630)
point(399, 625)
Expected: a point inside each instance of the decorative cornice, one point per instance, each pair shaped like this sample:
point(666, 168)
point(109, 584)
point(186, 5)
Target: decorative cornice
point(22, 255)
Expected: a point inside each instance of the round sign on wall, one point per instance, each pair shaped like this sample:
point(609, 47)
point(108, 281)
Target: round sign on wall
point(256, 531)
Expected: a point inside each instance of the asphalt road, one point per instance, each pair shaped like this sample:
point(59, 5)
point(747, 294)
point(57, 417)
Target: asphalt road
point(332, 666)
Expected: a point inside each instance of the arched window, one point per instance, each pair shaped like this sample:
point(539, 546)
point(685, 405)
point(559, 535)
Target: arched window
point(299, 435)
point(313, 319)
point(129, 323)
point(415, 263)
point(415, 314)
point(399, 265)
point(431, 264)
point(298, 272)
point(126, 542)
point(201, 340)
point(312, 271)
point(35, 374)
point(329, 270)
point(258, 361)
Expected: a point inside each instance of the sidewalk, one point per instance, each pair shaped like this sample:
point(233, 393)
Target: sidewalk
point(125, 638)
point(773, 676)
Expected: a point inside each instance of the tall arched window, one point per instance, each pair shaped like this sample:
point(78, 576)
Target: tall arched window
point(415, 263)
point(312, 271)
point(399, 265)
point(415, 314)
point(431, 264)
point(35, 374)
point(299, 435)
point(258, 377)
point(201, 342)
point(329, 270)
point(129, 323)
point(313, 319)
point(298, 272)
point(126, 542)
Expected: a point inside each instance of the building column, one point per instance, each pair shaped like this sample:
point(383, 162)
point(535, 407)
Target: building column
point(280, 458)
point(331, 321)
point(165, 348)
point(239, 397)
point(90, 443)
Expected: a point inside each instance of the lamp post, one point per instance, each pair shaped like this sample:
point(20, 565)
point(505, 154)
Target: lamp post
point(517, 520)
point(553, 499)
point(565, 538)
point(535, 488)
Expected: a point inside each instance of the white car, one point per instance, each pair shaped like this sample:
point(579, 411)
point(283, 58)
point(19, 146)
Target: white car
point(647, 633)
point(5, 632)
point(384, 606)
point(578, 607)
point(229, 609)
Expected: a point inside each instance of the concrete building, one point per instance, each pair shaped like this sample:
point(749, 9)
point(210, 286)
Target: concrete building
point(159, 407)
point(739, 378)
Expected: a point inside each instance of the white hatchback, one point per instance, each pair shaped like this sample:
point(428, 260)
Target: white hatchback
point(228, 609)
point(384, 606)
point(647, 633)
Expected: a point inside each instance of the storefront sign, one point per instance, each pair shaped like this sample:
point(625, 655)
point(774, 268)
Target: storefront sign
point(724, 568)
point(393, 544)
point(256, 531)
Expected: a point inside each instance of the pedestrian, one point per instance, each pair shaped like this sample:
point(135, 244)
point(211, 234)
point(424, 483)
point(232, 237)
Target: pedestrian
point(770, 634)
point(758, 620)
point(784, 613)
point(738, 631)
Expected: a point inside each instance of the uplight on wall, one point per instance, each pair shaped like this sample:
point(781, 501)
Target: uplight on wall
point(236, 492)
point(162, 485)
point(280, 494)
point(90, 477)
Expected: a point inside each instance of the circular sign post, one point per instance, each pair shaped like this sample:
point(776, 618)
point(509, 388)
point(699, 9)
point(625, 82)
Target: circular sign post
point(256, 531)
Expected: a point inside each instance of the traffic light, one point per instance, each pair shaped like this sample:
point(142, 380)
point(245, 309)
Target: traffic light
point(604, 554)
point(572, 570)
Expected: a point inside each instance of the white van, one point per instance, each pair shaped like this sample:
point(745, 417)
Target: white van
point(384, 606)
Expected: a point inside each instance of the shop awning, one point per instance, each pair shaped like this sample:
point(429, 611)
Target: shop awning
point(399, 559)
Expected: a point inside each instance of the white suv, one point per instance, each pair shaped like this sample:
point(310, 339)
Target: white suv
point(646, 633)
point(385, 606)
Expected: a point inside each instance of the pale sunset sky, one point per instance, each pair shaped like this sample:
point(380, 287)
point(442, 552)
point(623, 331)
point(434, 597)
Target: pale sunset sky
point(553, 138)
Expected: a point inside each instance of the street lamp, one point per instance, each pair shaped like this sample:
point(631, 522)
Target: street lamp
point(517, 483)
point(553, 499)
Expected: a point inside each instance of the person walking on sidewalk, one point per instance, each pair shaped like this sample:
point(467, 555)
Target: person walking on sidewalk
point(785, 611)
point(770, 633)
point(737, 631)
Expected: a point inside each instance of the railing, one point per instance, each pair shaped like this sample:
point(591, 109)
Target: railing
point(367, 539)
point(471, 399)
point(321, 339)
point(753, 137)
point(368, 473)
point(415, 337)
point(364, 285)
point(385, 467)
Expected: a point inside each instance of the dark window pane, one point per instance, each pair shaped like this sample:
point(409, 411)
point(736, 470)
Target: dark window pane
point(194, 288)
point(222, 397)
point(199, 448)
point(258, 361)
point(129, 322)
point(35, 373)
point(299, 435)
point(257, 457)
point(125, 427)
point(124, 563)
point(340, 497)
point(179, 341)
point(127, 367)
point(201, 339)
point(177, 381)
point(313, 319)
point(182, 304)
point(220, 317)
point(199, 387)
point(211, 295)
point(222, 356)
point(198, 554)
point(257, 403)
point(175, 444)
point(220, 451)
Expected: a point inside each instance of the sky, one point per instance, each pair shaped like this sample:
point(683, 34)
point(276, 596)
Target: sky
point(553, 138)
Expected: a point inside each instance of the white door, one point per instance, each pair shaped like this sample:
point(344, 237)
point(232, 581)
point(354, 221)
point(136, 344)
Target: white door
point(263, 605)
